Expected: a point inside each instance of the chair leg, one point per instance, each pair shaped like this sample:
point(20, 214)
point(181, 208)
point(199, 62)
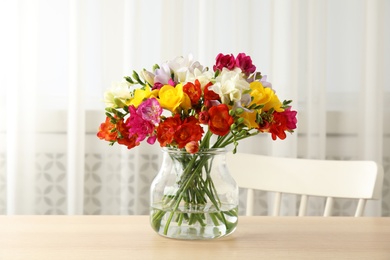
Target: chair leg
point(360, 208)
point(277, 202)
point(302, 206)
point(249, 202)
point(328, 207)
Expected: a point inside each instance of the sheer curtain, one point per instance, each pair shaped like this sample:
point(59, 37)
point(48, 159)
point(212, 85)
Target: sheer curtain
point(58, 57)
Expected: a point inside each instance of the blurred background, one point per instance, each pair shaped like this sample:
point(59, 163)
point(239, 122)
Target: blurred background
point(331, 57)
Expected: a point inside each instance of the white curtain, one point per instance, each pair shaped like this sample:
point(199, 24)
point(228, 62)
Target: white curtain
point(57, 58)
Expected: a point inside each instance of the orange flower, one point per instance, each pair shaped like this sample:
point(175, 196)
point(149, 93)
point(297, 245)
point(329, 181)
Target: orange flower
point(166, 130)
point(194, 91)
point(106, 131)
point(220, 120)
point(188, 131)
point(109, 132)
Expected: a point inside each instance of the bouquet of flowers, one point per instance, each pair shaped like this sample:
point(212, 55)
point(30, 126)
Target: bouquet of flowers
point(233, 101)
point(184, 105)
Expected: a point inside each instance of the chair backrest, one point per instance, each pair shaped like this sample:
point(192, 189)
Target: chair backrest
point(361, 180)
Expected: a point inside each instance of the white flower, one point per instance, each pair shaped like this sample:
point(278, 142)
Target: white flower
point(147, 76)
point(181, 66)
point(230, 85)
point(204, 77)
point(118, 94)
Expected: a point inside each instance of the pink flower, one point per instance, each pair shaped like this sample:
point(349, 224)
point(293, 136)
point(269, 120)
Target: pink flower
point(224, 61)
point(244, 62)
point(142, 121)
point(150, 110)
point(138, 126)
point(157, 85)
point(291, 118)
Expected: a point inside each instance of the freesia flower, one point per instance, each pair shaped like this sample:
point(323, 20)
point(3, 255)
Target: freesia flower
point(130, 141)
point(264, 96)
point(106, 131)
point(150, 110)
point(224, 61)
point(192, 147)
point(166, 130)
point(147, 76)
point(188, 131)
point(220, 120)
point(282, 122)
point(174, 98)
point(163, 74)
point(140, 95)
point(138, 126)
point(118, 95)
point(244, 62)
point(230, 85)
point(193, 91)
point(204, 77)
point(181, 66)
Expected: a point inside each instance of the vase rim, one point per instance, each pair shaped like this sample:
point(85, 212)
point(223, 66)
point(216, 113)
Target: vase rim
point(202, 151)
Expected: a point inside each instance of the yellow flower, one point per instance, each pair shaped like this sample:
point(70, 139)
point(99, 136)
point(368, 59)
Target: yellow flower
point(265, 96)
point(249, 119)
point(142, 94)
point(173, 98)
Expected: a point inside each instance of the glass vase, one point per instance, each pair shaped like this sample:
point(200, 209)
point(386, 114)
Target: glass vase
point(194, 196)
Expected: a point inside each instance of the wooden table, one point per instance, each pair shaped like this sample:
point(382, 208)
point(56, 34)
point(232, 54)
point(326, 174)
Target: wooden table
point(131, 237)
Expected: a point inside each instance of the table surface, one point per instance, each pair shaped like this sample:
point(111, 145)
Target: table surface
point(131, 237)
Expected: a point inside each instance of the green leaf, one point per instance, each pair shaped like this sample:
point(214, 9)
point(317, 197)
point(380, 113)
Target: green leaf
point(128, 79)
point(137, 78)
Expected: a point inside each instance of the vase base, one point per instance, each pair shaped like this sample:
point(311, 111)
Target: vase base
point(190, 233)
point(198, 225)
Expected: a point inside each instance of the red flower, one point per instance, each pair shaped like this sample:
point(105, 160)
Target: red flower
point(282, 122)
point(204, 117)
point(224, 61)
point(220, 120)
point(106, 131)
point(209, 94)
point(188, 131)
point(166, 130)
point(127, 139)
point(193, 91)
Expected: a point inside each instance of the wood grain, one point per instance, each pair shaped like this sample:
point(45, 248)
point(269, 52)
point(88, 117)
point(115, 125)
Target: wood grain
point(131, 237)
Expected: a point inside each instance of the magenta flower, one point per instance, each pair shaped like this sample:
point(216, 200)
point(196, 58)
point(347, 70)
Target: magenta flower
point(291, 118)
point(142, 120)
point(157, 85)
point(244, 62)
point(138, 126)
point(224, 61)
point(150, 110)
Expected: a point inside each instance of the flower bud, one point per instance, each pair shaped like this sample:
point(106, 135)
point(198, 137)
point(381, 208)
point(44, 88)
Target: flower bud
point(192, 147)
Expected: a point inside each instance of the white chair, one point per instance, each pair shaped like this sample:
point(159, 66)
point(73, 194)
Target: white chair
point(360, 180)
